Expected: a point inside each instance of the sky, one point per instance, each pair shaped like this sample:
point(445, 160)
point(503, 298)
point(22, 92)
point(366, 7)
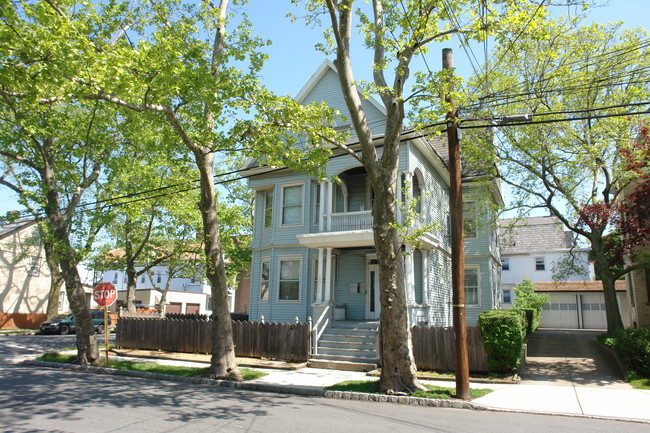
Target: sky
point(293, 58)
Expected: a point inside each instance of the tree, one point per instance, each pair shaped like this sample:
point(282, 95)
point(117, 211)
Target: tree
point(193, 71)
point(396, 32)
point(525, 296)
point(582, 85)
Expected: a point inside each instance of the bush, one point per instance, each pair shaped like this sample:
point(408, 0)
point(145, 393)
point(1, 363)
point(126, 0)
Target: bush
point(632, 345)
point(503, 334)
point(533, 317)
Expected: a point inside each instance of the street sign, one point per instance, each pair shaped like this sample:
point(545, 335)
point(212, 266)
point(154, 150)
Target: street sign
point(104, 294)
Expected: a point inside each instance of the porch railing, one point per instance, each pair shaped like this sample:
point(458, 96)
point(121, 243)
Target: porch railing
point(319, 326)
point(359, 220)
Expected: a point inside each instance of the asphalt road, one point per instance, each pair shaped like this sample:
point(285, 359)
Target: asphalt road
point(51, 400)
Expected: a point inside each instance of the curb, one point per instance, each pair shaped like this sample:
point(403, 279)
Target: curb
point(265, 387)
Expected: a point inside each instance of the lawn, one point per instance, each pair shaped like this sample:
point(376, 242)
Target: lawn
point(150, 367)
point(372, 387)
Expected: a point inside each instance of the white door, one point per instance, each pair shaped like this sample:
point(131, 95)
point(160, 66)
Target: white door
point(372, 292)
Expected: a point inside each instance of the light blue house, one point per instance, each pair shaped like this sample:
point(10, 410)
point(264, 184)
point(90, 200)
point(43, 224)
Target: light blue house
point(313, 249)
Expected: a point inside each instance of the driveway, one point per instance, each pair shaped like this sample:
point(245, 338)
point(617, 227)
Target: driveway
point(570, 358)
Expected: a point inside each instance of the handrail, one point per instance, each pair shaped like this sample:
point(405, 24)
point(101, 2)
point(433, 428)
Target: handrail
point(317, 331)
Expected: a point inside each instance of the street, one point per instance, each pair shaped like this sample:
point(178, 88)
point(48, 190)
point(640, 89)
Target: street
point(64, 401)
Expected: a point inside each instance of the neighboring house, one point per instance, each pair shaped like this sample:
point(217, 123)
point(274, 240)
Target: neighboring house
point(579, 304)
point(185, 295)
point(24, 277)
point(539, 248)
point(638, 288)
point(313, 246)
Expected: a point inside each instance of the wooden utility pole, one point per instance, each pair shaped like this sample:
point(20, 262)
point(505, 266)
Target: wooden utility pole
point(461, 359)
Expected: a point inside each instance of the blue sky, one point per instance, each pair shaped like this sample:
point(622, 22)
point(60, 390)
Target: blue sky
point(293, 58)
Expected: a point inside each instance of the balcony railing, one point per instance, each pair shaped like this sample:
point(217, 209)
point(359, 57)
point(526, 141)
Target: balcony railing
point(360, 220)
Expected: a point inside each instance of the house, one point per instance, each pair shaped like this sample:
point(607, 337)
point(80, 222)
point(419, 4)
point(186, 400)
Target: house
point(638, 284)
point(24, 276)
point(186, 295)
point(539, 248)
point(313, 247)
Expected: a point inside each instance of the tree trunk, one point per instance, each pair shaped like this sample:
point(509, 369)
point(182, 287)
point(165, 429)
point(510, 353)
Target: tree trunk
point(223, 364)
point(56, 278)
point(131, 275)
point(614, 320)
point(398, 369)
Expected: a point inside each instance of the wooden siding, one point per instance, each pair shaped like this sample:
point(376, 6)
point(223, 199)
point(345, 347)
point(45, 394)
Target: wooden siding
point(351, 268)
point(285, 341)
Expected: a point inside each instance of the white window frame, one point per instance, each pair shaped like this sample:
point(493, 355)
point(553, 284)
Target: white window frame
point(509, 292)
point(267, 262)
point(279, 280)
point(267, 208)
point(34, 267)
point(302, 204)
point(477, 269)
point(505, 264)
point(470, 207)
point(543, 263)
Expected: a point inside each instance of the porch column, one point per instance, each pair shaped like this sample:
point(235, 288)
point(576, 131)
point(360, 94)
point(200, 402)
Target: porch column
point(409, 274)
point(321, 207)
point(328, 204)
point(328, 276)
point(319, 283)
point(425, 277)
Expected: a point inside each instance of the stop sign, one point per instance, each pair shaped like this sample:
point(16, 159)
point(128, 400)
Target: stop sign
point(104, 294)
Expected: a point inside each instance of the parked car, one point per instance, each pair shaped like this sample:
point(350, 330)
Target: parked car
point(67, 324)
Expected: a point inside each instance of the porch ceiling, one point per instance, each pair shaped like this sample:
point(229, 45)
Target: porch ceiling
point(346, 239)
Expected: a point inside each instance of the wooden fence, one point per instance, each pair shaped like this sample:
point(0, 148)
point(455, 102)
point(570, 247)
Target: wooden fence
point(433, 349)
point(285, 341)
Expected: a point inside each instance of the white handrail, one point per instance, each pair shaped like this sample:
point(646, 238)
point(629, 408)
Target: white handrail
point(317, 330)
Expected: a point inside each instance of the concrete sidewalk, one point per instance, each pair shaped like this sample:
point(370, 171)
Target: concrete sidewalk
point(609, 401)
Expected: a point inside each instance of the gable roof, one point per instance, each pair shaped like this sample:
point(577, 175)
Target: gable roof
point(7, 229)
point(533, 234)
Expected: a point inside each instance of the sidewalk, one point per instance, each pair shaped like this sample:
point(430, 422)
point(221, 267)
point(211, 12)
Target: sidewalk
point(610, 401)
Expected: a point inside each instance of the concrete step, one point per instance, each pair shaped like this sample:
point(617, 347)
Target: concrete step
point(351, 353)
point(335, 364)
point(347, 344)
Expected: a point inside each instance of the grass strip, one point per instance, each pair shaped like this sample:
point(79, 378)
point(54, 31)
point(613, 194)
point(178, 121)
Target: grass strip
point(150, 367)
point(372, 387)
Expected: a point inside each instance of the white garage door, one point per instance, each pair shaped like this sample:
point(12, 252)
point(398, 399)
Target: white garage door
point(562, 312)
point(593, 311)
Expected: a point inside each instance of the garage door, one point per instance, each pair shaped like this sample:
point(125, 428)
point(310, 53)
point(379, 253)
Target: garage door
point(173, 308)
point(562, 312)
point(192, 308)
point(593, 311)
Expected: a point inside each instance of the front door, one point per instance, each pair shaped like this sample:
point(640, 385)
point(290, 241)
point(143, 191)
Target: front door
point(372, 293)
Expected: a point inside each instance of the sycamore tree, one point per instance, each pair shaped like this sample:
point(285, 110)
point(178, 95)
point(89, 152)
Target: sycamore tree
point(397, 32)
point(192, 70)
point(583, 86)
point(53, 150)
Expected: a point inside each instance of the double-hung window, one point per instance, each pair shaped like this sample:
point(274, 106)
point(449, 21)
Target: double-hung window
point(505, 264)
point(540, 264)
point(292, 204)
point(264, 281)
point(268, 208)
point(470, 221)
point(471, 286)
point(289, 283)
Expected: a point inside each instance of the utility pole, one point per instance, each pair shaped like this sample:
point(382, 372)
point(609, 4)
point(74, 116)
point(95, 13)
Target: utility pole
point(461, 358)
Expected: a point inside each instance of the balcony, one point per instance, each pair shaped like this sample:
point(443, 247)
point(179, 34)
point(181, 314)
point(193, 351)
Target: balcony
point(346, 221)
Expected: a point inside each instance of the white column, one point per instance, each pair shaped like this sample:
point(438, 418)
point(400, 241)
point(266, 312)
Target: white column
point(319, 283)
point(328, 205)
point(425, 277)
point(328, 276)
point(409, 274)
point(321, 207)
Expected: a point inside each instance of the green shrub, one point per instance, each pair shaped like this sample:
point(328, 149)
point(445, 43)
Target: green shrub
point(503, 334)
point(632, 345)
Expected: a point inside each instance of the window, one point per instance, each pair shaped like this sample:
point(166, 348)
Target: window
point(158, 278)
point(268, 208)
point(471, 286)
point(505, 264)
point(35, 267)
point(469, 220)
point(61, 301)
point(540, 264)
point(142, 280)
point(317, 203)
point(289, 287)
point(292, 205)
point(264, 281)
point(506, 297)
point(115, 278)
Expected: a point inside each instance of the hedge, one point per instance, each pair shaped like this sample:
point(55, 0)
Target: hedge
point(503, 334)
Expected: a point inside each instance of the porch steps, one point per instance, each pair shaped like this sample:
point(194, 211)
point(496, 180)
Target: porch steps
point(347, 346)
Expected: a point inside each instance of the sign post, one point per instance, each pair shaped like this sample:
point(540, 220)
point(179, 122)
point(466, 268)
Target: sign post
point(105, 294)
